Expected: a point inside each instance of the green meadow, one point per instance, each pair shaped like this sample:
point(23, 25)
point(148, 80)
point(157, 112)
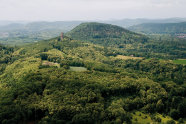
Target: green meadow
point(180, 61)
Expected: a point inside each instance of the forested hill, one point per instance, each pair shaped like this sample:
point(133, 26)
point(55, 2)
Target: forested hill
point(105, 34)
point(127, 42)
point(5, 53)
point(72, 82)
point(69, 81)
point(160, 28)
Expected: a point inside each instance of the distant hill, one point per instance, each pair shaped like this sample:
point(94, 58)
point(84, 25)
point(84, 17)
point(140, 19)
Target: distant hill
point(105, 34)
point(12, 27)
point(40, 26)
point(62, 25)
point(6, 22)
point(131, 22)
point(120, 22)
point(18, 33)
point(128, 42)
point(160, 28)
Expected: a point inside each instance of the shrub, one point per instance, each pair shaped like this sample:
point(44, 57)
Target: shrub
point(171, 122)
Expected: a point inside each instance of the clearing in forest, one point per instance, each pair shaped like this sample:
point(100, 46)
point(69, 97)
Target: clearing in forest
point(47, 63)
point(180, 61)
point(127, 57)
point(78, 69)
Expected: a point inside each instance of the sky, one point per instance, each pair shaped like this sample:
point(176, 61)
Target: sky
point(63, 10)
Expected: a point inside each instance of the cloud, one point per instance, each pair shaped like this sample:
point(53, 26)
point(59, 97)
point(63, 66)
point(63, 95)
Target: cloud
point(89, 9)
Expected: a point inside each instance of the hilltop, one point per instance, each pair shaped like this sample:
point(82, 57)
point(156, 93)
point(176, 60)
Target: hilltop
point(105, 34)
point(127, 42)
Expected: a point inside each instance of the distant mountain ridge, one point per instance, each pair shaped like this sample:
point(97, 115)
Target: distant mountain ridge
point(160, 28)
point(39, 26)
point(18, 33)
point(132, 22)
point(120, 22)
point(27, 31)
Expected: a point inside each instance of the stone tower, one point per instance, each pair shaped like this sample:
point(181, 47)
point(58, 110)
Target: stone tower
point(62, 36)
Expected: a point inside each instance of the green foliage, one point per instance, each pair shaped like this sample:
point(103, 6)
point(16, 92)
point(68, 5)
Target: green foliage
point(126, 42)
point(32, 90)
point(105, 34)
point(179, 61)
point(171, 122)
point(174, 114)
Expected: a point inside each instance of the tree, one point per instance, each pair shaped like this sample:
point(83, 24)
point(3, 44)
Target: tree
point(174, 114)
point(159, 106)
point(171, 122)
point(182, 108)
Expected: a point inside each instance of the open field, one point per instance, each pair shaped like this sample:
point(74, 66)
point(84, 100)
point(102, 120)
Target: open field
point(145, 118)
point(47, 63)
point(140, 118)
point(127, 57)
point(180, 61)
point(78, 69)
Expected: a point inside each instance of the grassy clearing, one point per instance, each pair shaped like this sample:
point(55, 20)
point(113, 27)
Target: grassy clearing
point(45, 63)
point(180, 61)
point(145, 118)
point(78, 69)
point(127, 57)
point(164, 119)
point(140, 118)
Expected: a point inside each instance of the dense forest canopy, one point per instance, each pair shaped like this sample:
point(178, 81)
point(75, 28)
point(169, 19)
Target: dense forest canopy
point(123, 79)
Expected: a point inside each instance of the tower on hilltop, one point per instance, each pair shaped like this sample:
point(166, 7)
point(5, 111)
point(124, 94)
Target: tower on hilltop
point(62, 36)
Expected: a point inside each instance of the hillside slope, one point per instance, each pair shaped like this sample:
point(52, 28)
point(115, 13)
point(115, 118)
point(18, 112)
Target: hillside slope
point(127, 42)
point(105, 34)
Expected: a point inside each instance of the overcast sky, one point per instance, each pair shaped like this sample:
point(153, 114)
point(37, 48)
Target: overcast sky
point(56, 10)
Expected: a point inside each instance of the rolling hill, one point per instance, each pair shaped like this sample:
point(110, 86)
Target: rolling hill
point(40, 26)
point(160, 28)
point(105, 34)
point(20, 33)
point(128, 42)
point(131, 22)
